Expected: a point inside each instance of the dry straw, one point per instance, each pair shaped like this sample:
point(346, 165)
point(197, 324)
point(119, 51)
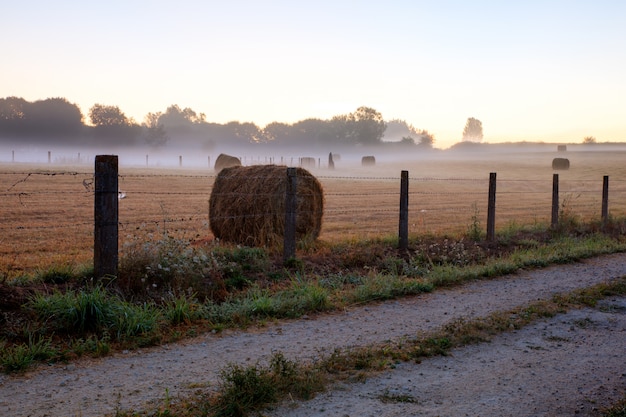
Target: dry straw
point(560, 163)
point(368, 161)
point(247, 205)
point(226, 161)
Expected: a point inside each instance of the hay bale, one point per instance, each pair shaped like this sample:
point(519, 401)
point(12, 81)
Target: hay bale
point(226, 161)
point(561, 148)
point(247, 205)
point(368, 161)
point(307, 162)
point(336, 157)
point(560, 163)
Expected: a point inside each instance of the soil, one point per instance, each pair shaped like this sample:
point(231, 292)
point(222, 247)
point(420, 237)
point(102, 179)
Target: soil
point(572, 364)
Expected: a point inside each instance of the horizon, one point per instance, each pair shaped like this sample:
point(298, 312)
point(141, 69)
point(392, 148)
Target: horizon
point(536, 72)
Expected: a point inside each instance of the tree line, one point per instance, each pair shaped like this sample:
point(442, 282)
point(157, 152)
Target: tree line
point(57, 121)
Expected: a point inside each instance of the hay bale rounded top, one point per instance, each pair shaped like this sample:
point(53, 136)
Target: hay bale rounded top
point(368, 160)
point(247, 205)
point(226, 161)
point(560, 163)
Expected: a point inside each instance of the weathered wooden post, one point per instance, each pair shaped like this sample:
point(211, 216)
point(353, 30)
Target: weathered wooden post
point(146, 160)
point(49, 156)
point(555, 200)
point(605, 199)
point(491, 208)
point(180, 160)
point(403, 230)
point(291, 202)
point(105, 250)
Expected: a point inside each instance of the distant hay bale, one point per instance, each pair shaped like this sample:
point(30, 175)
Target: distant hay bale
point(336, 157)
point(561, 148)
point(247, 205)
point(226, 161)
point(307, 162)
point(560, 163)
point(368, 161)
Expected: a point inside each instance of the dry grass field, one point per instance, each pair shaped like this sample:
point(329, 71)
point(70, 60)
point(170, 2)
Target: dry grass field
point(47, 209)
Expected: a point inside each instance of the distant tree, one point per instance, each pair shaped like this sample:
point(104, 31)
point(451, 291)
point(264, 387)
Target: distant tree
point(107, 116)
point(112, 125)
point(55, 117)
point(237, 133)
point(367, 125)
point(175, 117)
point(155, 134)
point(473, 131)
point(589, 139)
point(342, 131)
point(13, 121)
point(398, 129)
point(41, 120)
point(407, 140)
point(427, 140)
point(277, 133)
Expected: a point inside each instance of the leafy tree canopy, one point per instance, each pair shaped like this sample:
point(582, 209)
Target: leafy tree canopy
point(107, 116)
point(473, 131)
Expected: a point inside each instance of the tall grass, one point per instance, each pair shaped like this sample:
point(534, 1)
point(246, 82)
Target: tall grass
point(94, 310)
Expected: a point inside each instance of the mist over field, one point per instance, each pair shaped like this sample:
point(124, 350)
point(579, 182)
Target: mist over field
point(343, 156)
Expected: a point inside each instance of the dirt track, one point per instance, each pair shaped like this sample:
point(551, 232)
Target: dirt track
point(556, 367)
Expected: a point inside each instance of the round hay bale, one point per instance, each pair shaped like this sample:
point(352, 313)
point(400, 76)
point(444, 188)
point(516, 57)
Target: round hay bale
point(368, 161)
point(560, 163)
point(226, 161)
point(247, 205)
point(561, 148)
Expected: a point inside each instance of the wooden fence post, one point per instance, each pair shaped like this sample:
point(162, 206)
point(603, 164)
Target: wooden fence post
point(491, 208)
point(291, 202)
point(49, 156)
point(105, 250)
point(605, 199)
point(555, 200)
point(180, 160)
point(403, 229)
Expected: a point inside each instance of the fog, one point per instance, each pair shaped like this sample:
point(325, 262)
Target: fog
point(389, 155)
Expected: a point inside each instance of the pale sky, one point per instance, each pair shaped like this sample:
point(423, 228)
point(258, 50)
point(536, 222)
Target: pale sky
point(538, 70)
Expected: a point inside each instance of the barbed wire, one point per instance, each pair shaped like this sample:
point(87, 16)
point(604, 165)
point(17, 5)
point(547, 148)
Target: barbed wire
point(331, 212)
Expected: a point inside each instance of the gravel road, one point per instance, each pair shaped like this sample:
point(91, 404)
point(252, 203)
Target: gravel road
point(568, 365)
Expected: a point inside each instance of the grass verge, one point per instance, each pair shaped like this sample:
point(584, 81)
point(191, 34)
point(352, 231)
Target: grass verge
point(245, 390)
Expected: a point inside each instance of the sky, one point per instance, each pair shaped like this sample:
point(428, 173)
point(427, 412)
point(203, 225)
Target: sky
point(536, 70)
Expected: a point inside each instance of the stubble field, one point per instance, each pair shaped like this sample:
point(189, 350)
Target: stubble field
point(47, 209)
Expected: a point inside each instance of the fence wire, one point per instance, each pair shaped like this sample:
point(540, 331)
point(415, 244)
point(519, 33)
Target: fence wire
point(48, 215)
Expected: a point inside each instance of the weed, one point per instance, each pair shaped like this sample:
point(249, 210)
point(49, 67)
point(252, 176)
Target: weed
point(56, 274)
point(616, 410)
point(20, 357)
point(245, 389)
point(474, 231)
point(389, 397)
point(82, 311)
point(181, 309)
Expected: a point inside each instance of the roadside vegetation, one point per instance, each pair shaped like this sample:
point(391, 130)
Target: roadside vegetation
point(170, 289)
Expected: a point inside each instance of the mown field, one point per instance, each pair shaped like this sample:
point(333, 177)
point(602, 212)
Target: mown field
point(47, 209)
